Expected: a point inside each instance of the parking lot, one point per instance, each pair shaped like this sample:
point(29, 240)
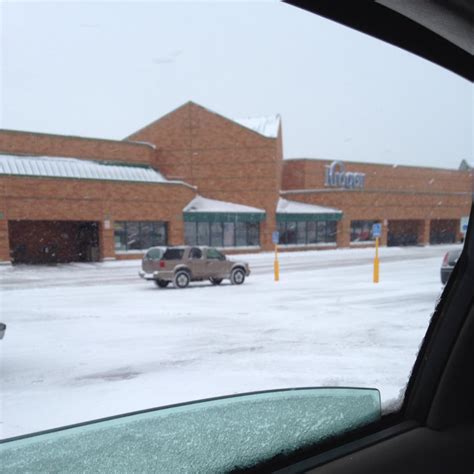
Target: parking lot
point(91, 340)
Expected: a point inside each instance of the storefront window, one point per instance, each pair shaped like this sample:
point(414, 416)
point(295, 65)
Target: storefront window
point(241, 234)
point(222, 234)
point(331, 235)
point(229, 230)
point(190, 233)
point(301, 232)
point(120, 236)
point(203, 233)
point(133, 236)
point(216, 234)
point(253, 237)
point(139, 235)
point(361, 231)
point(311, 229)
point(307, 232)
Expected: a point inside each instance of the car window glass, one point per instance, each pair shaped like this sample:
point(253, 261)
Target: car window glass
point(334, 169)
point(214, 254)
point(154, 254)
point(173, 254)
point(219, 435)
point(195, 253)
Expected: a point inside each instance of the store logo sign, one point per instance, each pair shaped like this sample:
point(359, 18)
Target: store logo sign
point(337, 177)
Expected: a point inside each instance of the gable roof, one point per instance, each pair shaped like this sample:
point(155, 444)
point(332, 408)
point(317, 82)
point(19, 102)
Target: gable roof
point(202, 204)
point(285, 206)
point(301, 211)
point(267, 126)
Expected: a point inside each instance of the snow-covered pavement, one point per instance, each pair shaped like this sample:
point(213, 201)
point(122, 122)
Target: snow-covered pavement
point(91, 340)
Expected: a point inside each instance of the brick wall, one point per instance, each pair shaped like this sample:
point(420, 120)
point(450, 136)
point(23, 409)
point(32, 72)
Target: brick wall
point(224, 160)
point(30, 143)
point(98, 201)
point(309, 174)
point(227, 162)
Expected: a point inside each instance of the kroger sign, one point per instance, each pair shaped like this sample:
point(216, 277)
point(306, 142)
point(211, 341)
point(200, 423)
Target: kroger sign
point(337, 177)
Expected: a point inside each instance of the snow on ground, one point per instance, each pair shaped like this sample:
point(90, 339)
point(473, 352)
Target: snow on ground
point(86, 341)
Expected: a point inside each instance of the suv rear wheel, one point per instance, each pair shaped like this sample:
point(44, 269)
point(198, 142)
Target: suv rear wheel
point(181, 279)
point(161, 283)
point(237, 277)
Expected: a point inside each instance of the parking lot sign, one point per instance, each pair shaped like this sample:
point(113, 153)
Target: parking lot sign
point(376, 230)
point(275, 237)
point(464, 224)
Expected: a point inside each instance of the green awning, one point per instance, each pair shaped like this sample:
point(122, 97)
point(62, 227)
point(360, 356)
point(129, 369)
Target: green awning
point(223, 216)
point(202, 209)
point(295, 211)
point(298, 217)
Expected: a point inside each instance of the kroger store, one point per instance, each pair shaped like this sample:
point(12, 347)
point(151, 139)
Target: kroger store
point(196, 177)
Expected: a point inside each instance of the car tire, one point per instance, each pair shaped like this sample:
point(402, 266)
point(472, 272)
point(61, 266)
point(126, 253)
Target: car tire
point(181, 279)
point(237, 277)
point(216, 281)
point(161, 283)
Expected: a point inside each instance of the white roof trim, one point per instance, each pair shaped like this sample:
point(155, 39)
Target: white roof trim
point(285, 206)
point(202, 204)
point(59, 167)
point(266, 126)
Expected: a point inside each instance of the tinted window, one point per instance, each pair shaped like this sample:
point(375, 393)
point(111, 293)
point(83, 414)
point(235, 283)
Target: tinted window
point(195, 253)
point(173, 254)
point(214, 254)
point(139, 235)
point(154, 254)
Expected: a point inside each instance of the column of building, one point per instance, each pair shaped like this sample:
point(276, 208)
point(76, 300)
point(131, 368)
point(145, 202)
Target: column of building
point(4, 240)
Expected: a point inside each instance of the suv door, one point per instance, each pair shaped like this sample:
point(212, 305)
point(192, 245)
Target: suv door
point(197, 262)
point(215, 263)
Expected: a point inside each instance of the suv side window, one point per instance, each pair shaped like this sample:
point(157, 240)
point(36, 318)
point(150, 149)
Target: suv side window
point(195, 253)
point(173, 254)
point(214, 254)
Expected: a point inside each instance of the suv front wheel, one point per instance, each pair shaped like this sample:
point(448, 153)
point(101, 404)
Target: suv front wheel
point(181, 279)
point(237, 277)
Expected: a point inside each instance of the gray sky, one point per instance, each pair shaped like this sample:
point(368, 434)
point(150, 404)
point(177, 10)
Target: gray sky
point(107, 69)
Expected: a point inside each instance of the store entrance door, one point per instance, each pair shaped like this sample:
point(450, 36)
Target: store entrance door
point(443, 231)
point(37, 242)
point(403, 232)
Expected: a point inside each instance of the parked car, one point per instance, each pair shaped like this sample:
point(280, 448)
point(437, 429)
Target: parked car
point(182, 265)
point(3, 328)
point(449, 261)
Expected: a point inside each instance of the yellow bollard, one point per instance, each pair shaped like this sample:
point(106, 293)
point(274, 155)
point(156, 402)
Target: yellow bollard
point(376, 261)
point(276, 265)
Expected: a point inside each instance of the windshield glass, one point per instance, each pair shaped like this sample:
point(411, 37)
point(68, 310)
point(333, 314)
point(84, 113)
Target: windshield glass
point(333, 171)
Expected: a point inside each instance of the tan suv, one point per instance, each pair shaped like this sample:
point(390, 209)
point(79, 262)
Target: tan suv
point(181, 265)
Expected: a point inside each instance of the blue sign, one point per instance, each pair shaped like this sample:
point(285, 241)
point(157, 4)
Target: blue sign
point(275, 237)
point(376, 230)
point(464, 224)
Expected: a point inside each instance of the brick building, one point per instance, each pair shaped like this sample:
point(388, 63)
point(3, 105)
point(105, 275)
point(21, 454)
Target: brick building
point(197, 177)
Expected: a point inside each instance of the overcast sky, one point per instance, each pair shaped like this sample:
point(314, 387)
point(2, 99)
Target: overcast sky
point(106, 69)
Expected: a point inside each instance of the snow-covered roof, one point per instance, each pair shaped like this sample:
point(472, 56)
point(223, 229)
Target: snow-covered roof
point(293, 207)
point(47, 166)
point(202, 204)
point(267, 126)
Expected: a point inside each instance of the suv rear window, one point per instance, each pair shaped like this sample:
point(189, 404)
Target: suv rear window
point(154, 254)
point(173, 254)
